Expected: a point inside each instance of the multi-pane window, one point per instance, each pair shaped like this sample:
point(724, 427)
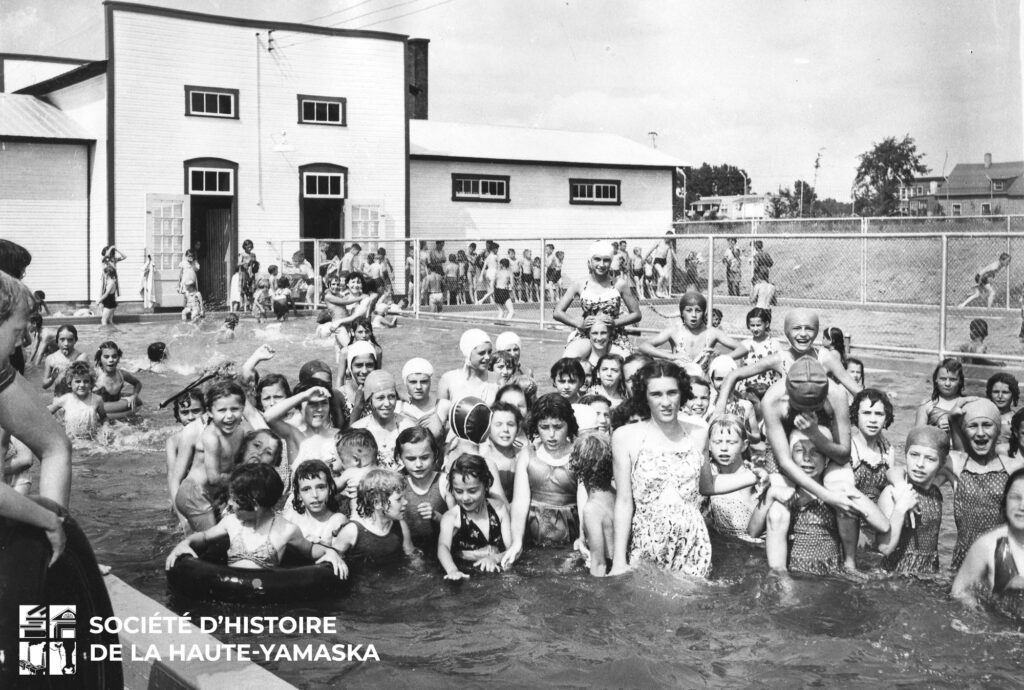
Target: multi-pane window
point(323, 185)
point(217, 181)
point(957, 209)
point(168, 234)
point(366, 222)
point(602, 192)
point(998, 185)
point(321, 110)
point(479, 187)
point(986, 209)
point(205, 101)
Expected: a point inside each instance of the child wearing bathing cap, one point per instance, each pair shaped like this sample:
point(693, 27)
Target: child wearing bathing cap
point(380, 393)
point(691, 342)
point(914, 506)
point(470, 380)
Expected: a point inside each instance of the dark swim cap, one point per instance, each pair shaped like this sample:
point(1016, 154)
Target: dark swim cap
point(807, 383)
point(691, 298)
point(929, 437)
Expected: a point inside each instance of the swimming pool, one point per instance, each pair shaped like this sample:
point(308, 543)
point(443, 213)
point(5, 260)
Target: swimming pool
point(546, 623)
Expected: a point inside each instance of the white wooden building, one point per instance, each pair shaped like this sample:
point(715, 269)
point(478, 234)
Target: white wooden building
point(215, 129)
point(483, 181)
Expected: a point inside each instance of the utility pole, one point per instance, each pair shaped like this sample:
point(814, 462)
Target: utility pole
point(817, 164)
point(653, 135)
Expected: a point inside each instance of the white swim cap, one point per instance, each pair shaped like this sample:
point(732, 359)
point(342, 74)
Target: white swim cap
point(358, 349)
point(506, 340)
point(417, 365)
point(471, 340)
point(601, 248)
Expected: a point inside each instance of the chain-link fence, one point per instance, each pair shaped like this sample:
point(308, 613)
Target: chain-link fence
point(891, 285)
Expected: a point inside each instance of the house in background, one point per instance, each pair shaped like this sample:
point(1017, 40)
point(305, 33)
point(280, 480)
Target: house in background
point(736, 207)
point(920, 196)
point(982, 189)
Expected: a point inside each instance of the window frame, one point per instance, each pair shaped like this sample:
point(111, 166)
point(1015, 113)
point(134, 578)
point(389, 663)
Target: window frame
point(354, 211)
point(306, 174)
point(617, 184)
point(474, 177)
point(342, 102)
point(189, 170)
point(956, 209)
point(998, 186)
point(191, 89)
point(986, 208)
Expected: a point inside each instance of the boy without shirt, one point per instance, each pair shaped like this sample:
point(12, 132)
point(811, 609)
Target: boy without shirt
point(692, 342)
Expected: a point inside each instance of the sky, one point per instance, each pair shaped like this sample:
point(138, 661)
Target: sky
point(765, 86)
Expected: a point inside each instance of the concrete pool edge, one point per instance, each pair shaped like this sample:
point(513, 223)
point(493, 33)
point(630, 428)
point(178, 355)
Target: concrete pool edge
point(166, 674)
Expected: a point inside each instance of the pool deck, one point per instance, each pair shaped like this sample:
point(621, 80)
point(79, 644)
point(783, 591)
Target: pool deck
point(167, 674)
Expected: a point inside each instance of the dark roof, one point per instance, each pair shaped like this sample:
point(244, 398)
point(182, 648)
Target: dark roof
point(79, 74)
point(973, 179)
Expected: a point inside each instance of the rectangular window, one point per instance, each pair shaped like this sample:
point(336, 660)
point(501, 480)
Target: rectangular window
point(216, 181)
point(321, 110)
point(986, 209)
point(206, 101)
point(323, 185)
point(600, 192)
point(918, 191)
point(168, 235)
point(492, 188)
point(998, 186)
point(957, 209)
point(366, 222)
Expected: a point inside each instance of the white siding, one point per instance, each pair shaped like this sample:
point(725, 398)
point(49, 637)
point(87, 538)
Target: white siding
point(19, 73)
point(43, 207)
point(539, 207)
point(155, 57)
point(539, 202)
point(86, 104)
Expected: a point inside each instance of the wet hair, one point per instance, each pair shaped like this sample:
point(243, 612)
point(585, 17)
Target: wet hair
point(14, 294)
point(590, 460)
point(312, 469)
point(275, 460)
point(570, 368)
point(854, 360)
point(66, 327)
point(39, 295)
point(231, 320)
point(368, 325)
point(107, 345)
point(35, 319)
point(499, 406)
point(699, 381)
point(635, 357)
point(838, 340)
point(656, 370)
point(1016, 476)
point(716, 313)
point(185, 400)
point(1007, 378)
point(595, 379)
point(223, 388)
point(760, 313)
point(14, 259)
point(505, 357)
point(979, 328)
point(1016, 444)
point(255, 486)
point(357, 438)
point(376, 487)
point(470, 465)
point(357, 276)
point(157, 352)
point(268, 381)
point(552, 406)
point(731, 421)
point(79, 370)
point(283, 282)
point(873, 396)
point(513, 386)
point(416, 434)
point(591, 398)
point(953, 366)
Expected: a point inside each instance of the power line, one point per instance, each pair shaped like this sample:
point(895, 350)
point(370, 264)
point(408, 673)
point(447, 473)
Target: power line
point(331, 14)
point(381, 21)
point(407, 14)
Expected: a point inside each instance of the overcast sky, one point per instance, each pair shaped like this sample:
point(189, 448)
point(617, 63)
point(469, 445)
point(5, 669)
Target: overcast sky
point(761, 85)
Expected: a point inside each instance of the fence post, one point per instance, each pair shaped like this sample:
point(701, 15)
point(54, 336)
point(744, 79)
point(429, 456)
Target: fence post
point(1008, 269)
point(864, 261)
point(542, 297)
point(416, 278)
point(942, 298)
point(317, 278)
point(711, 276)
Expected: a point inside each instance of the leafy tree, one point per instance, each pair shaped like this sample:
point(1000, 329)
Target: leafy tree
point(794, 203)
point(881, 171)
point(830, 208)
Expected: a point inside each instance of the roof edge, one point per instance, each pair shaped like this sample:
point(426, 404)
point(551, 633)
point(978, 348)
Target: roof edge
point(42, 58)
point(61, 81)
point(251, 23)
point(531, 161)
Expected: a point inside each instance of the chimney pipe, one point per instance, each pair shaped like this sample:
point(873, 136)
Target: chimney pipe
point(416, 77)
point(988, 161)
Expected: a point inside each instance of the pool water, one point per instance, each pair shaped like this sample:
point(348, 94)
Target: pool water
point(546, 622)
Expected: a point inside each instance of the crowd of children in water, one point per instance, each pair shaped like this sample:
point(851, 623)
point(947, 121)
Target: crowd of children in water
point(632, 457)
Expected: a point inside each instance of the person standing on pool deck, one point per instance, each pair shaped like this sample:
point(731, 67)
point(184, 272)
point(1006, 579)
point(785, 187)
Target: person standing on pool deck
point(762, 262)
point(982, 289)
point(732, 267)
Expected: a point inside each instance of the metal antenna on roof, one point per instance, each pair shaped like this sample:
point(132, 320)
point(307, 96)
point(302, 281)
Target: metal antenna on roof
point(653, 136)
